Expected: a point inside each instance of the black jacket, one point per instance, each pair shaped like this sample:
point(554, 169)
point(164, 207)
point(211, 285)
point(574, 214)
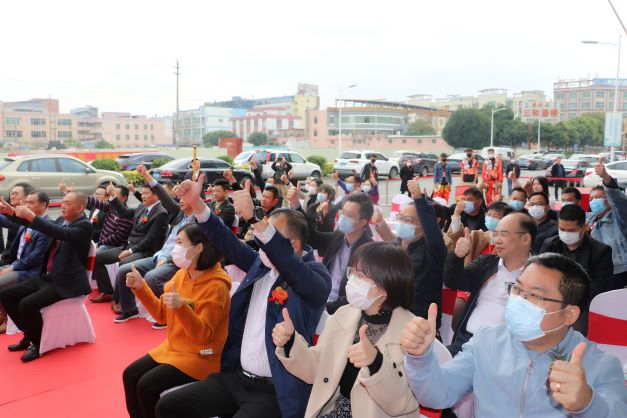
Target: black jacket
point(226, 212)
point(513, 167)
point(318, 221)
point(69, 263)
point(368, 170)
point(96, 224)
point(470, 279)
point(280, 168)
point(146, 237)
point(546, 230)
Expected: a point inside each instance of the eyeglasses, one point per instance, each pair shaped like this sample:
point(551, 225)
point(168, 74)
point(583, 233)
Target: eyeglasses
point(505, 234)
point(407, 219)
point(514, 289)
point(350, 271)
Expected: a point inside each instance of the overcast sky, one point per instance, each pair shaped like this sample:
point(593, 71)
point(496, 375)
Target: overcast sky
point(120, 55)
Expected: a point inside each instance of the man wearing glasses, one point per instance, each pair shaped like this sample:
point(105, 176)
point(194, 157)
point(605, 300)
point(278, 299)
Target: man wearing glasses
point(535, 365)
point(486, 276)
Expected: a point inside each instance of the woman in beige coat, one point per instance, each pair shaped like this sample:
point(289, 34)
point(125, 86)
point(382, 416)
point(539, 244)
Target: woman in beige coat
point(356, 368)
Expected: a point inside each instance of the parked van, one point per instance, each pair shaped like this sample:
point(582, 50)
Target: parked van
point(506, 153)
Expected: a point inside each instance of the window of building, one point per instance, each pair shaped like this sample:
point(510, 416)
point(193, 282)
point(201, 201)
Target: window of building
point(13, 134)
point(612, 94)
point(127, 137)
point(404, 141)
point(38, 134)
point(419, 141)
point(12, 121)
point(136, 126)
point(152, 137)
point(64, 122)
point(600, 94)
point(572, 106)
point(599, 105)
point(117, 126)
point(572, 115)
point(117, 137)
point(315, 132)
point(145, 126)
point(572, 95)
point(152, 126)
point(145, 137)
point(136, 137)
point(433, 141)
point(611, 106)
point(315, 120)
point(559, 96)
point(64, 134)
point(127, 126)
point(585, 105)
point(37, 122)
point(585, 95)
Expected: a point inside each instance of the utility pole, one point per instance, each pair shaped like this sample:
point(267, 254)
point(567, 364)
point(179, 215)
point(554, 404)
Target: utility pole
point(176, 129)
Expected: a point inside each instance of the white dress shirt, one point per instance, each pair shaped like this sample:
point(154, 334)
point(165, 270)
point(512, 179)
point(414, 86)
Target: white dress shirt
point(490, 304)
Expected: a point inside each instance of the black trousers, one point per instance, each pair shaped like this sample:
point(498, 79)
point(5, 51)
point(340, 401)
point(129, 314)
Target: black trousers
point(559, 184)
point(23, 302)
point(225, 395)
point(144, 380)
point(110, 256)
point(468, 178)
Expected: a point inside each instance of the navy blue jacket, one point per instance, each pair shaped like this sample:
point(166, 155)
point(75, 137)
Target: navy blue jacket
point(308, 284)
point(31, 262)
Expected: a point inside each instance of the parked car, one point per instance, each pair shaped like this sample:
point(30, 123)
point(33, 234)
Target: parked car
point(617, 169)
point(353, 162)
point(131, 161)
point(592, 159)
point(45, 172)
point(550, 158)
point(300, 166)
point(532, 162)
point(422, 162)
point(572, 168)
point(505, 152)
point(455, 160)
point(176, 170)
point(618, 155)
point(396, 155)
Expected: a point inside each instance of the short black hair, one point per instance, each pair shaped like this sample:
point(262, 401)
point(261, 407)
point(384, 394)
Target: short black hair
point(501, 207)
point(598, 187)
point(572, 190)
point(27, 188)
point(475, 192)
point(42, 197)
point(356, 178)
point(574, 283)
point(394, 275)
point(490, 149)
point(123, 190)
point(209, 255)
point(273, 190)
point(443, 214)
point(519, 189)
point(443, 155)
point(366, 209)
point(222, 183)
point(297, 226)
point(318, 182)
point(573, 213)
point(544, 195)
point(526, 224)
point(146, 185)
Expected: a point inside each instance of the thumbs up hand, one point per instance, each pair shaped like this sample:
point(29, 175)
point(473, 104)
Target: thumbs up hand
point(363, 353)
point(419, 333)
point(283, 331)
point(172, 299)
point(568, 383)
point(462, 248)
point(413, 186)
point(134, 280)
point(293, 196)
point(243, 203)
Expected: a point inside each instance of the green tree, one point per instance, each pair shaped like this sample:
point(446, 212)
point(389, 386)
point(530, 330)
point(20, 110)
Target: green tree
point(317, 159)
point(212, 139)
point(467, 128)
point(258, 138)
point(420, 127)
point(226, 158)
point(102, 144)
point(158, 162)
point(106, 164)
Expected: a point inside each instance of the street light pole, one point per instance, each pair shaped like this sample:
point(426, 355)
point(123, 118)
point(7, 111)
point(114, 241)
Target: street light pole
point(539, 123)
point(492, 124)
point(340, 115)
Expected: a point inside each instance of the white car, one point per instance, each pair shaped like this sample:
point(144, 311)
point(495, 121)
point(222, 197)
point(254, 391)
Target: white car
point(300, 166)
point(617, 169)
point(353, 162)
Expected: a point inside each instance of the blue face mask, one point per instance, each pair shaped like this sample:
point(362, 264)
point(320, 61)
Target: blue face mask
point(597, 206)
point(517, 205)
point(269, 184)
point(491, 223)
point(345, 224)
point(366, 189)
point(350, 187)
point(523, 319)
point(404, 231)
point(321, 197)
point(469, 207)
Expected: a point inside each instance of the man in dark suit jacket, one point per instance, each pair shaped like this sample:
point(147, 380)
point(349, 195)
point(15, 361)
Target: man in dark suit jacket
point(220, 204)
point(283, 274)
point(65, 273)
point(96, 216)
point(17, 196)
point(150, 225)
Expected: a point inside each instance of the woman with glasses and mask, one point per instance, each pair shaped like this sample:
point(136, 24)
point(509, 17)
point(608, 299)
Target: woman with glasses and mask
point(356, 368)
point(195, 305)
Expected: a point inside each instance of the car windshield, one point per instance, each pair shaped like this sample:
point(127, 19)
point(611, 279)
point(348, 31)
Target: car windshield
point(570, 164)
point(5, 162)
point(397, 154)
point(457, 156)
point(123, 157)
point(174, 164)
point(261, 156)
point(243, 156)
point(348, 155)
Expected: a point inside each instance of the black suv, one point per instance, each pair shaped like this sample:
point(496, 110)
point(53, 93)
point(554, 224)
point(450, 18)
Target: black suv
point(179, 169)
point(130, 162)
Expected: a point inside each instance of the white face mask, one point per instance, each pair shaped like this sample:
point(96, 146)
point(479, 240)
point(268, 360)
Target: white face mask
point(569, 238)
point(312, 190)
point(357, 293)
point(536, 212)
point(265, 260)
point(179, 257)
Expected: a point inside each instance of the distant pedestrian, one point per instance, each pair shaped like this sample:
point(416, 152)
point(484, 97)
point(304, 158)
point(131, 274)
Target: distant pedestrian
point(407, 173)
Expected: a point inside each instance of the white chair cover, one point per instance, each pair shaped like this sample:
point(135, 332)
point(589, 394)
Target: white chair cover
point(611, 305)
point(66, 322)
point(11, 327)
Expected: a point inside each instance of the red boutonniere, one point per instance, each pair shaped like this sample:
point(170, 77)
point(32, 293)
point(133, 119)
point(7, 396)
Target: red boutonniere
point(94, 219)
point(279, 296)
point(28, 237)
point(144, 219)
point(218, 212)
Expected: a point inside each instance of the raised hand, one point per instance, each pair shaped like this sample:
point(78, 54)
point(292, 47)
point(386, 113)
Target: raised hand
point(335, 176)
point(413, 186)
point(419, 333)
point(462, 248)
point(293, 195)
point(599, 170)
point(172, 299)
point(459, 208)
point(131, 188)
point(283, 331)
point(324, 208)
point(5, 207)
point(253, 164)
point(141, 169)
point(568, 382)
point(363, 353)
point(243, 203)
point(134, 280)
point(189, 191)
point(228, 175)
point(24, 213)
point(63, 188)
point(284, 179)
point(111, 189)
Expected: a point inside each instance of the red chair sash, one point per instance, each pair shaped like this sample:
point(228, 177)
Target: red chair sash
point(607, 330)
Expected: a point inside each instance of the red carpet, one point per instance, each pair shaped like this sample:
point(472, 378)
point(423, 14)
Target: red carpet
point(84, 380)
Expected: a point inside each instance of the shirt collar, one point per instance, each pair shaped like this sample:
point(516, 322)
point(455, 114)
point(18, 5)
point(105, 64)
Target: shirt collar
point(503, 268)
point(149, 208)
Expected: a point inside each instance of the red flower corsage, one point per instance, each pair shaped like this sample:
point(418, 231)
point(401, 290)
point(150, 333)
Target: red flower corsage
point(144, 219)
point(279, 296)
point(218, 212)
point(94, 219)
point(28, 237)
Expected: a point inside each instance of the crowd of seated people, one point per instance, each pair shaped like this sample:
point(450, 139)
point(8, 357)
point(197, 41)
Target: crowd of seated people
point(338, 309)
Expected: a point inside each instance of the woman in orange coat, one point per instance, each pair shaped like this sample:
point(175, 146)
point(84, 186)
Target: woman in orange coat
point(195, 305)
